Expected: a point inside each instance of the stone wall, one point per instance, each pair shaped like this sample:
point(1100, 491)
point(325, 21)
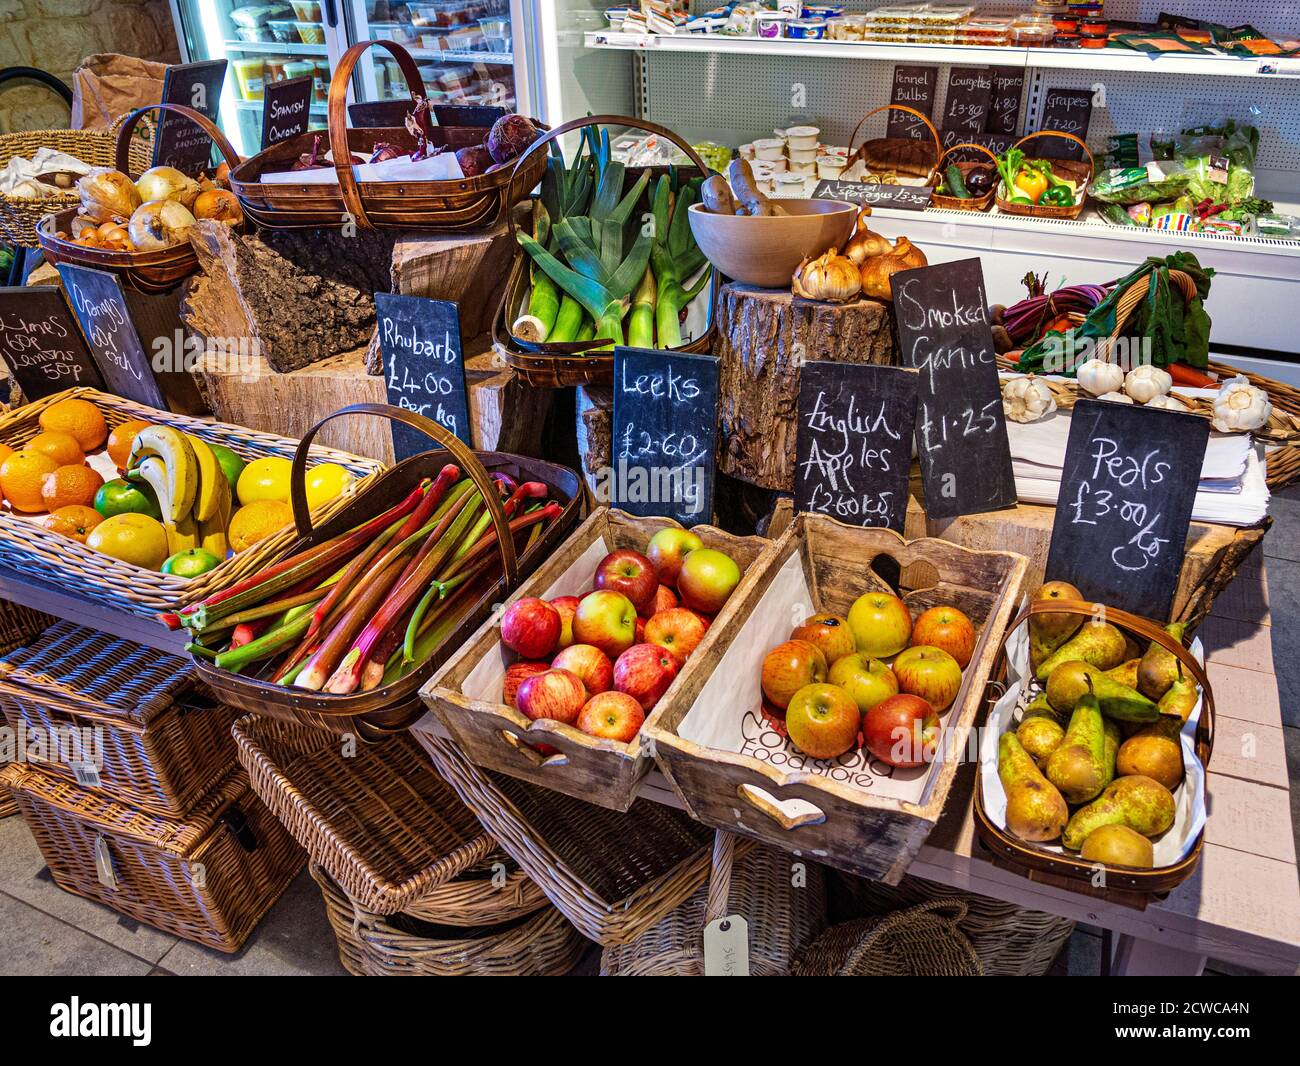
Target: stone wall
point(56, 34)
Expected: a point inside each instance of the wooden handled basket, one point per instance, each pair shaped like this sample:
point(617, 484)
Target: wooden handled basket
point(148, 272)
point(393, 707)
point(447, 206)
point(899, 154)
point(1123, 884)
point(1074, 170)
point(970, 203)
point(554, 365)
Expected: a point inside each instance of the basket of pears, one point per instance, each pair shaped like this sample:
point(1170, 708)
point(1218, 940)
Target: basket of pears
point(1092, 765)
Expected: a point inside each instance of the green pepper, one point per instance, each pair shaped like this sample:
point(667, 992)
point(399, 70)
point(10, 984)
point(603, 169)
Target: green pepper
point(1058, 196)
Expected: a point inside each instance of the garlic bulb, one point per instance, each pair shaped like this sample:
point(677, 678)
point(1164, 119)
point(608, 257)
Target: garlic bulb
point(1098, 378)
point(1027, 399)
point(864, 243)
point(877, 270)
point(830, 277)
point(1240, 406)
point(1144, 383)
point(1167, 403)
point(1115, 397)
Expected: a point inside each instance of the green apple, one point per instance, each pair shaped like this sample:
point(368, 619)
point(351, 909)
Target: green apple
point(866, 680)
point(190, 563)
point(881, 624)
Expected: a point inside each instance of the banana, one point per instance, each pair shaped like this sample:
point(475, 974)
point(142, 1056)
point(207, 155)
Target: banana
point(153, 471)
point(176, 455)
point(212, 531)
point(182, 535)
point(212, 480)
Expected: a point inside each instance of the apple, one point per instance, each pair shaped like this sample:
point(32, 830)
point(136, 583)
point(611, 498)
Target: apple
point(902, 731)
point(531, 627)
point(555, 694)
point(644, 672)
point(774, 717)
point(829, 632)
point(789, 667)
point(948, 629)
point(668, 548)
point(822, 721)
point(665, 600)
point(706, 579)
point(516, 674)
point(590, 665)
point(679, 630)
point(612, 716)
point(639, 638)
point(566, 605)
point(605, 620)
point(881, 624)
point(866, 680)
point(930, 673)
point(630, 573)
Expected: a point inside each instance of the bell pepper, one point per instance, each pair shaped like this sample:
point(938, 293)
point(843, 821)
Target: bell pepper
point(1032, 182)
point(1058, 196)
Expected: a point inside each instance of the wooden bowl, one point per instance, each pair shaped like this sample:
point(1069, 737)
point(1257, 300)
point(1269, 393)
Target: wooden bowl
point(766, 251)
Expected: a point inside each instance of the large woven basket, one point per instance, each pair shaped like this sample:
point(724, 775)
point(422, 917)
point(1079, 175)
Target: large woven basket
point(924, 940)
point(785, 910)
point(540, 945)
point(18, 626)
point(52, 559)
point(385, 827)
point(613, 875)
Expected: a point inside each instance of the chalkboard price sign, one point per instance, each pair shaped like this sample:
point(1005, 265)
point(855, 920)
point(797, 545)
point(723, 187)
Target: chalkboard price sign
point(1067, 110)
point(900, 197)
point(913, 87)
point(853, 449)
point(286, 109)
point(179, 142)
point(424, 367)
point(1004, 104)
point(664, 434)
point(1126, 500)
point(41, 343)
point(997, 143)
point(961, 432)
point(100, 305)
point(966, 105)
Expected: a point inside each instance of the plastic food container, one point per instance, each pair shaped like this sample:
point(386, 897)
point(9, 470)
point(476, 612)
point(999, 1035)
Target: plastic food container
point(804, 168)
point(844, 29)
point(1033, 31)
point(806, 29)
point(771, 148)
point(1067, 40)
point(306, 10)
point(789, 185)
point(803, 155)
point(830, 167)
point(300, 68)
point(250, 74)
point(254, 33)
point(311, 32)
point(802, 136)
point(1094, 27)
point(771, 27)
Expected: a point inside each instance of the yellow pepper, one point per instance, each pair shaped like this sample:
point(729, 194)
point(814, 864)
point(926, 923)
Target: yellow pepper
point(1031, 182)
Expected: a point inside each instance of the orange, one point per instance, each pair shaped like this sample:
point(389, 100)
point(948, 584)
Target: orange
point(21, 476)
point(70, 486)
point(61, 447)
point(73, 521)
point(257, 521)
point(81, 418)
point(121, 439)
point(5, 452)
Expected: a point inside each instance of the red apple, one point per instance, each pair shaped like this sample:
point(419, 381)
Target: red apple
point(566, 605)
point(706, 579)
point(789, 667)
point(612, 716)
point(946, 628)
point(881, 624)
point(822, 721)
point(679, 630)
point(531, 627)
point(930, 673)
point(640, 631)
point(665, 600)
point(668, 548)
point(829, 632)
point(774, 717)
point(555, 694)
point(605, 620)
point(516, 674)
point(644, 672)
point(902, 731)
point(630, 573)
point(866, 680)
point(590, 665)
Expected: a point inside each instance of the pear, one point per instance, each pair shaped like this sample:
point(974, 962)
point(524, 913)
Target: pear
point(1140, 803)
point(1040, 735)
point(1118, 845)
point(1049, 631)
point(1125, 673)
point(1035, 810)
point(1154, 751)
point(1159, 667)
point(1110, 750)
point(1098, 644)
point(1181, 697)
point(1078, 766)
point(1069, 681)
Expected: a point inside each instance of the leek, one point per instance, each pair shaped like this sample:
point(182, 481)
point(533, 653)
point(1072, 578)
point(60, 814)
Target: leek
point(568, 320)
point(641, 322)
point(538, 322)
point(674, 258)
point(600, 303)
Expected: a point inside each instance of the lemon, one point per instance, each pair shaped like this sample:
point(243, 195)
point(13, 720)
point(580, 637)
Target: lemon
point(133, 538)
point(325, 482)
point(256, 521)
point(265, 479)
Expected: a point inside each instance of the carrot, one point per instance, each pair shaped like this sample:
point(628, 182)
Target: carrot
point(1190, 377)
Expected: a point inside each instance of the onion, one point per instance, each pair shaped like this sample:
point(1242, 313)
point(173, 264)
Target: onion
point(107, 196)
point(473, 160)
point(220, 205)
point(167, 183)
point(159, 224)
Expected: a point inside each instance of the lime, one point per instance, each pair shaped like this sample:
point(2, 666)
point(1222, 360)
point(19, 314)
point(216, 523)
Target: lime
point(231, 464)
point(121, 497)
point(190, 563)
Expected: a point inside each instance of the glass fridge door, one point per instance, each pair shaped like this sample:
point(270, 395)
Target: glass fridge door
point(262, 43)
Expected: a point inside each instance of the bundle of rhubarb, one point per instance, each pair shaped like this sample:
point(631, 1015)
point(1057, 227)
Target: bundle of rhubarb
point(365, 608)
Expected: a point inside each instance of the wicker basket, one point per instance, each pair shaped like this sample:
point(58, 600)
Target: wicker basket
point(19, 216)
point(1009, 942)
point(969, 203)
point(159, 745)
point(613, 875)
point(925, 940)
point(1071, 169)
point(746, 879)
point(542, 945)
point(209, 878)
point(18, 626)
point(52, 559)
point(448, 206)
point(383, 825)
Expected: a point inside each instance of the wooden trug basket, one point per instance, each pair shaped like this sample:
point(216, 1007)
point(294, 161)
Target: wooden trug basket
point(873, 152)
point(1070, 169)
point(970, 203)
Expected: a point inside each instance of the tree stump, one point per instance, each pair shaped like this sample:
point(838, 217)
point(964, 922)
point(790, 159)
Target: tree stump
point(764, 336)
point(594, 407)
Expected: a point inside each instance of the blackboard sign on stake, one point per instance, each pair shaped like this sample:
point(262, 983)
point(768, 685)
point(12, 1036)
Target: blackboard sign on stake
point(1067, 110)
point(942, 318)
point(853, 448)
point(1126, 499)
point(286, 109)
point(1004, 104)
point(424, 367)
point(100, 305)
point(42, 344)
point(179, 142)
point(966, 104)
point(664, 434)
point(913, 87)
point(901, 197)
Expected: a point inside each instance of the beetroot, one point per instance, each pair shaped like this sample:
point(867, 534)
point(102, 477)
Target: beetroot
point(473, 160)
point(509, 136)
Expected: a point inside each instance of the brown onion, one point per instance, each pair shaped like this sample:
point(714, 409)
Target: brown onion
point(220, 205)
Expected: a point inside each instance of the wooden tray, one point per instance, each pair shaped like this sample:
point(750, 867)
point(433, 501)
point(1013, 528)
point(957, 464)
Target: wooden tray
point(1072, 169)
